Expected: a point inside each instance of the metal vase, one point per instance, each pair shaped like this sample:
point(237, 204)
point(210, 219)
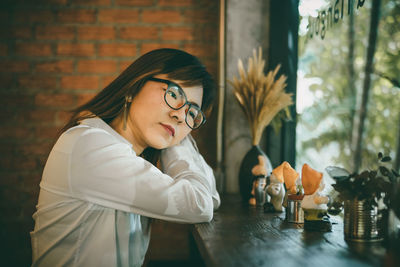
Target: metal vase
point(294, 212)
point(361, 222)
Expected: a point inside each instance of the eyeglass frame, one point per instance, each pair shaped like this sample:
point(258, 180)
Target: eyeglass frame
point(169, 83)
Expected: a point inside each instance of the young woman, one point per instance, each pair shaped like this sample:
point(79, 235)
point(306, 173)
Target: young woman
point(101, 185)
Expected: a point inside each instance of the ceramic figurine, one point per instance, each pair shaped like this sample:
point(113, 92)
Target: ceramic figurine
point(294, 189)
point(276, 190)
point(259, 171)
point(291, 179)
point(314, 202)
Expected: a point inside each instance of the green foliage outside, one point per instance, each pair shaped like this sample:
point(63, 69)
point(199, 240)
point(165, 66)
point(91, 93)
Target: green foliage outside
point(327, 124)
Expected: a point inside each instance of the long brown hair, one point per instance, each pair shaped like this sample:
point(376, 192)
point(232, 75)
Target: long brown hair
point(177, 64)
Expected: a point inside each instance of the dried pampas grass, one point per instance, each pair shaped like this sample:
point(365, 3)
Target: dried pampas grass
point(260, 96)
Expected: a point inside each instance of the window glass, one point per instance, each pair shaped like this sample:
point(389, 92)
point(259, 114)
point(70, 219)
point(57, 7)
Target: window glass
point(334, 46)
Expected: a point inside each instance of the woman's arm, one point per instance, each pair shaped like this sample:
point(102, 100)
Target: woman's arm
point(107, 172)
point(184, 157)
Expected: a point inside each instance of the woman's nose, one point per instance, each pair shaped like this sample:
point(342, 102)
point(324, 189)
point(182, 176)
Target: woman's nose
point(179, 114)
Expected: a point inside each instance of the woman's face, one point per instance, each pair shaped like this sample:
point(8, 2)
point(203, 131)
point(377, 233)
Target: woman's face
point(152, 123)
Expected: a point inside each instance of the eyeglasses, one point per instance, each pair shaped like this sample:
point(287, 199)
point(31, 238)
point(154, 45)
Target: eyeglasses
point(176, 99)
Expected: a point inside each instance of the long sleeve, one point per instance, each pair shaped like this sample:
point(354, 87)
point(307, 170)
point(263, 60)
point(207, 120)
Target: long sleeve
point(183, 161)
point(95, 165)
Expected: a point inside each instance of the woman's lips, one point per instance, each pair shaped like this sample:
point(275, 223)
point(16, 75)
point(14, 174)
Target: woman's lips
point(169, 129)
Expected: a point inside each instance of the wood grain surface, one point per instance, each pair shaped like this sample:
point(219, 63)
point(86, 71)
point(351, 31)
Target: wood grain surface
point(240, 235)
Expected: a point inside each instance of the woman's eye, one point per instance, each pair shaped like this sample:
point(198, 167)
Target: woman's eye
point(192, 114)
point(172, 94)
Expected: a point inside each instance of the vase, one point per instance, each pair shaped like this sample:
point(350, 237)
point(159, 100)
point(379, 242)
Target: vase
point(246, 178)
point(362, 223)
point(294, 212)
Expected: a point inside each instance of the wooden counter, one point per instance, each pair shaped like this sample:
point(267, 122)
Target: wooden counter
point(246, 236)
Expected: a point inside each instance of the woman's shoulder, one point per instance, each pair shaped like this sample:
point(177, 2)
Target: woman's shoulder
point(82, 136)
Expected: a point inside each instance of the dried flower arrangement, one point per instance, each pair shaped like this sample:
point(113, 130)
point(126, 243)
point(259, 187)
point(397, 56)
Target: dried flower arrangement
point(261, 96)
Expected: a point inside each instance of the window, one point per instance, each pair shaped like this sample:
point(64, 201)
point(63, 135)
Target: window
point(335, 48)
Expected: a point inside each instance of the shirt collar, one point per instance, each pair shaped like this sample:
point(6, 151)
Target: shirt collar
point(96, 122)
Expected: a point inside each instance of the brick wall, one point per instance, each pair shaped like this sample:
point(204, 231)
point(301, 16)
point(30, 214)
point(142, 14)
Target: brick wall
point(55, 55)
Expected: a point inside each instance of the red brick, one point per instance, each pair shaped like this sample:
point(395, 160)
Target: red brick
point(15, 32)
point(58, 66)
point(38, 116)
point(14, 66)
point(15, 100)
point(178, 33)
point(37, 82)
point(3, 50)
point(201, 50)
point(15, 132)
point(107, 80)
point(57, 2)
point(62, 117)
point(210, 66)
point(208, 33)
point(161, 16)
point(55, 32)
point(84, 98)
point(117, 50)
point(124, 64)
point(22, 32)
point(140, 33)
point(25, 16)
point(96, 33)
point(200, 16)
point(31, 49)
point(37, 148)
point(54, 100)
point(76, 16)
point(91, 2)
point(175, 2)
point(97, 66)
point(75, 49)
point(45, 132)
point(80, 82)
point(135, 2)
point(26, 164)
point(147, 47)
point(119, 15)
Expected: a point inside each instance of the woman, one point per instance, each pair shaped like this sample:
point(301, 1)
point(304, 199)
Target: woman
point(100, 185)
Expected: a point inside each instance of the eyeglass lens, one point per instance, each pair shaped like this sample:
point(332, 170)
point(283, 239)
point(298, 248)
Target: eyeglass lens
point(176, 99)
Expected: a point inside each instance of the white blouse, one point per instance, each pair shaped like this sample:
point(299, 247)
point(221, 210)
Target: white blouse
point(96, 196)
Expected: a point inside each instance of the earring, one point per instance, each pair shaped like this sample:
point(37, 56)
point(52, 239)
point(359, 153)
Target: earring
point(125, 115)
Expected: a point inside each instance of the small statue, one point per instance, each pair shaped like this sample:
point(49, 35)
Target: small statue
point(314, 203)
point(259, 171)
point(276, 190)
point(291, 179)
point(294, 189)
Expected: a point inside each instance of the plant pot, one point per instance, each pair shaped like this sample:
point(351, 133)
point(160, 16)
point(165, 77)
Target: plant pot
point(362, 223)
point(246, 178)
point(294, 212)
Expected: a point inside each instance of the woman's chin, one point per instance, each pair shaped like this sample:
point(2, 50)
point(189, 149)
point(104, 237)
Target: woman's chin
point(161, 143)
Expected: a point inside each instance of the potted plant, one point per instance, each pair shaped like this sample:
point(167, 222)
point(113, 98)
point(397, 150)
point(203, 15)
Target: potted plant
point(366, 197)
